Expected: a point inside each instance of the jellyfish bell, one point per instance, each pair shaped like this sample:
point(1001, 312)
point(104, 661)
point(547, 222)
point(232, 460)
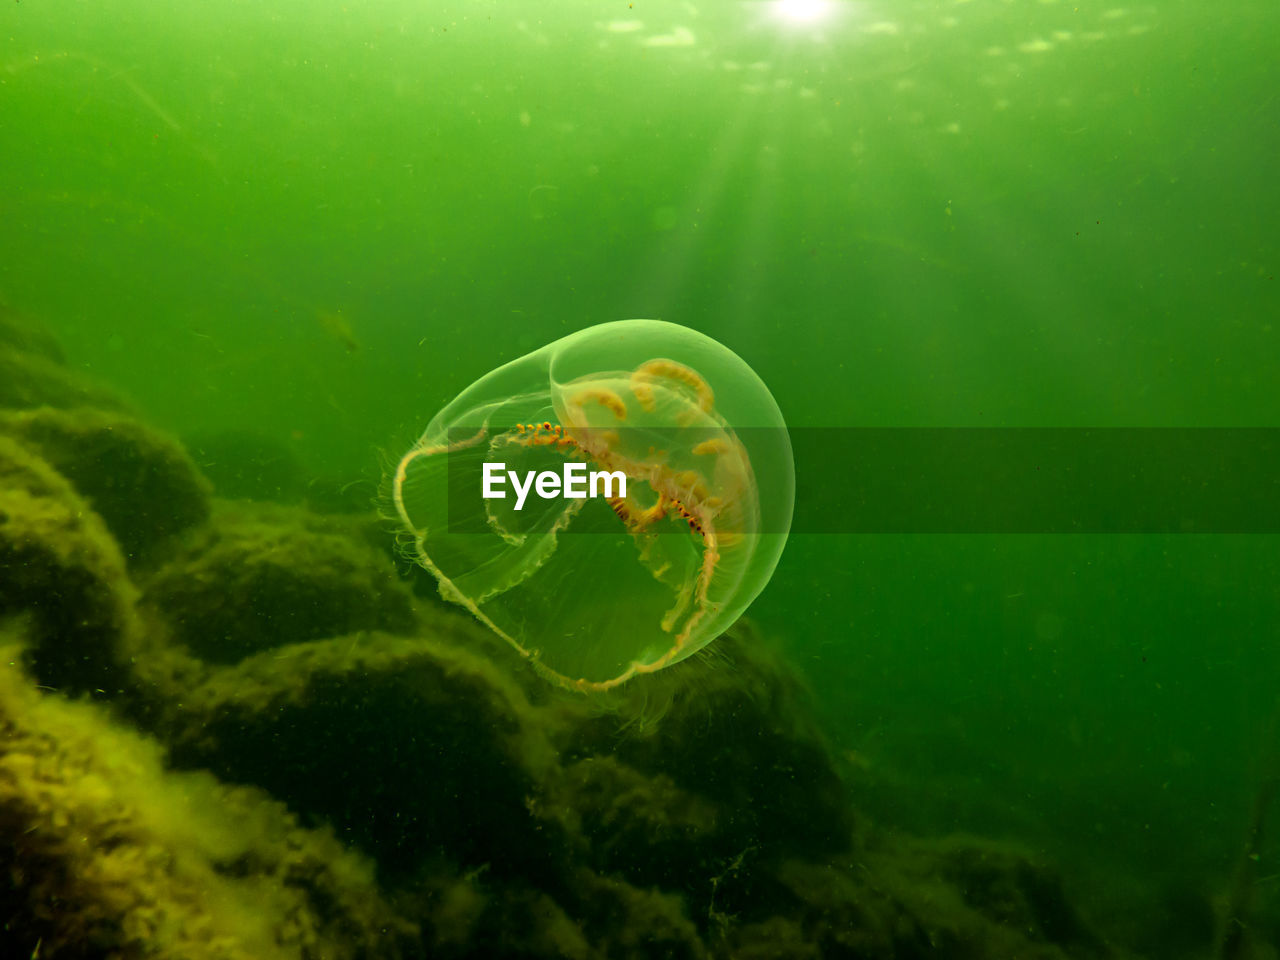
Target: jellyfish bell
point(597, 589)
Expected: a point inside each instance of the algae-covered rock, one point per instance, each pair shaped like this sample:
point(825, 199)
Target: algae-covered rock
point(593, 917)
point(905, 899)
point(520, 922)
point(21, 334)
point(412, 748)
point(255, 579)
point(141, 482)
point(966, 896)
point(30, 380)
point(738, 729)
point(821, 910)
point(635, 922)
point(635, 825)
point(1010, 886)
point(60, 567)
point(109, 855)
point(33, 371)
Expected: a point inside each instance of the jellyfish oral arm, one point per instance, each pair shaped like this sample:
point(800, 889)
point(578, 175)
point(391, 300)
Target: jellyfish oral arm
point(573, 483)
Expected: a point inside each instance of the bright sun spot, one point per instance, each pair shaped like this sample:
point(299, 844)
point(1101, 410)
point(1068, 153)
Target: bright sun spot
point(801, 11)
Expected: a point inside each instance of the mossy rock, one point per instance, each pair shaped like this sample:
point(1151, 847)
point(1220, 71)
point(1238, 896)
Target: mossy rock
point(110, 855)
point(141, 482)
point(60, 567)
point(736, 727)
point(596, 918)
point(964, 896)
point(1014, 888)
point(641, 827)
point(412, 748)
point(33, 370)
point(30, 380)
point(253, 580)
point(636, 922)
point(20, 334)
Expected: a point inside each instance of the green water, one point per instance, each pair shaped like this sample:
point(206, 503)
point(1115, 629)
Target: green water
point(322, 221)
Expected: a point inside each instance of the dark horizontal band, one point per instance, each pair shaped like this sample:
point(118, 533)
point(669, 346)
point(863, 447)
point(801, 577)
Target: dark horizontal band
point(996, 480)
point(1037, 480)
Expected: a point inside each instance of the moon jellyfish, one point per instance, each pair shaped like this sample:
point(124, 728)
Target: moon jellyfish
point(596, 583)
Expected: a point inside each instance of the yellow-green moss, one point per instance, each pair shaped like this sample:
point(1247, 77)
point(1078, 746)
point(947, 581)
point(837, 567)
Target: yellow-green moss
point(59, 564)
point(116, 854)
point(140, 481)
point(21, 334)
point(30, 380)
point(450, 750)
point(253, 580)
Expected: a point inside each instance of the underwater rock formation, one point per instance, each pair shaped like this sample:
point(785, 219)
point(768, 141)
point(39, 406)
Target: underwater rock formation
point(138, 480)
point(61, 569)
point(427, 751)
point(738, 729)
point(321, 768)
point(21, 335)
point(110, 855)
point(259, 577)
point(33, 371)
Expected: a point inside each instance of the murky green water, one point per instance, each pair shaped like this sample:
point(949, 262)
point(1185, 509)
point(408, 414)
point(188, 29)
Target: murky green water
point(321, 221)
